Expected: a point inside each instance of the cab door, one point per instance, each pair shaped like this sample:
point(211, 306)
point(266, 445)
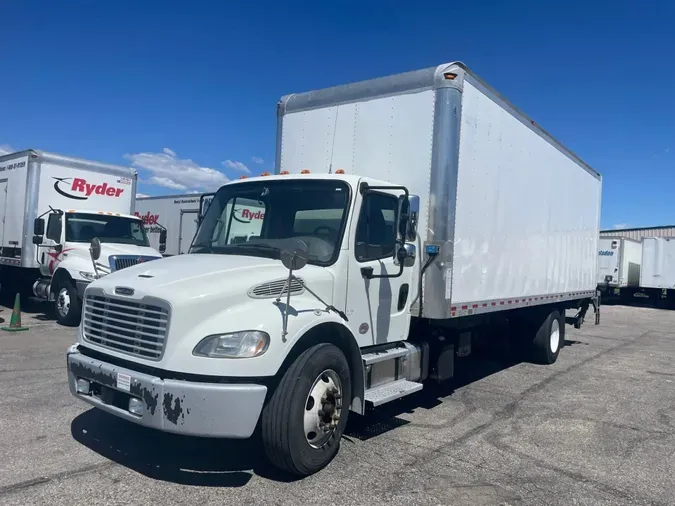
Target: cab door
point(51, 250)
point(377, 307)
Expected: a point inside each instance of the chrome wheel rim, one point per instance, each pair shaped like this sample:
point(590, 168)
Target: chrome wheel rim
point(323, 409)
point(555, 336)
point(63, 302)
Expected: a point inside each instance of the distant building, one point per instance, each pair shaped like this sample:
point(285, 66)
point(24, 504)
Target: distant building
point(639, 233)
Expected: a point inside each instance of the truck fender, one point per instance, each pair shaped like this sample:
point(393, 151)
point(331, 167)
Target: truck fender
point(61, 274)
point(336, 333)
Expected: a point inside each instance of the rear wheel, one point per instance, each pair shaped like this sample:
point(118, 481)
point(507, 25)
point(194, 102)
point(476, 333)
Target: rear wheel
point(303, 422)
point(549, 338)
point(67, 305)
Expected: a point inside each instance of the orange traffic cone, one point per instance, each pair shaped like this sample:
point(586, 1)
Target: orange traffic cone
point(15, 320)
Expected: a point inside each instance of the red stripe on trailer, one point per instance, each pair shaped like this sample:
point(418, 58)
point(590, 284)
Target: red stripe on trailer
point(465, 307)
point(494, 303)
point(501, 302)
point(453, 308)
point(485, 304)
point(475, 306)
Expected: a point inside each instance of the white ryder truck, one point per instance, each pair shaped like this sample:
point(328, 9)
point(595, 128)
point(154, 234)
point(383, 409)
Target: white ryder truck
point(410, 217)
point(52, 206)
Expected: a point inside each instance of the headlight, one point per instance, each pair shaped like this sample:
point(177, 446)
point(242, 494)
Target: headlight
point(88, 275)
point(245, 344)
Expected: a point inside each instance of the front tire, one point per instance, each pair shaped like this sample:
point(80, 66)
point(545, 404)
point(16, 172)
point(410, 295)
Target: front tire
point(303, 422)
point(67, 306)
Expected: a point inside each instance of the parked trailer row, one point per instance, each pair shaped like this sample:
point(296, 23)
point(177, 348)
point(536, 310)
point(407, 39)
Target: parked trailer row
point(628, 268)
point(452, 214)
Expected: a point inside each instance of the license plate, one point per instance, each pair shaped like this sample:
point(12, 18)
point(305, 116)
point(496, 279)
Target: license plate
point(123, 381)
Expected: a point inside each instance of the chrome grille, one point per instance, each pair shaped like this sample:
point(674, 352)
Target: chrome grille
point(118, 262)
point(276, 288)
point(122, 263)
point(134, 327)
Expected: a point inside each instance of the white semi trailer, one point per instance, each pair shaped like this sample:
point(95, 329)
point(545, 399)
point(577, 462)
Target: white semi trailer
point(51, 206)
point(657, 275)
point(409, 216)
point(619, 261)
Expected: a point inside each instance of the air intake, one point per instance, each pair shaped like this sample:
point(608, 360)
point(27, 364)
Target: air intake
point(276, 289)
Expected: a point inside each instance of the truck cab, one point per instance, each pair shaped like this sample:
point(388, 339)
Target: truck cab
point(63, 247)
point(271, 331)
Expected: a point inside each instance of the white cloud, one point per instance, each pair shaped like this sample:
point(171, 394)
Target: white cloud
point(167, 182)
point(258, 160)
point(238, 166)
point(140, 195)
point(5, 149)
point(169, 171)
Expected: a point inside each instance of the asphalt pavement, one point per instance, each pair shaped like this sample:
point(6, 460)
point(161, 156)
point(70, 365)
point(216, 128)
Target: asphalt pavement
point(597, 427)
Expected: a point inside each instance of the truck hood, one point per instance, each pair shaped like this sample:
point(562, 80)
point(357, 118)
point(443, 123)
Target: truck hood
point(75, 256)
point(193, 279)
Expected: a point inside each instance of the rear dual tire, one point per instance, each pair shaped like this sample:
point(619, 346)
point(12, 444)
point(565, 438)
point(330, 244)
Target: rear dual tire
point(303, 421)
point(549, 338)
point(539, 335)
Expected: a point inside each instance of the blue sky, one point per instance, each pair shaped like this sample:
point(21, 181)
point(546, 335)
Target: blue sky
point(187, 91)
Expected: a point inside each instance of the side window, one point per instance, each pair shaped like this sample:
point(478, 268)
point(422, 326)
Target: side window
point(54, 228)
point(375, 232)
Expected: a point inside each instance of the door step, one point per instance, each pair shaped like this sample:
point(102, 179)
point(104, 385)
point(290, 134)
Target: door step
point(380, 356)
point(392, 391)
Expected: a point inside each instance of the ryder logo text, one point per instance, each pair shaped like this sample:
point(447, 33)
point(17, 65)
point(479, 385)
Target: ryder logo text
point(147, 218)
point(79, 189)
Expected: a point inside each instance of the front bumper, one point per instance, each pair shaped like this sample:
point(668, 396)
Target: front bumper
point(182, 407)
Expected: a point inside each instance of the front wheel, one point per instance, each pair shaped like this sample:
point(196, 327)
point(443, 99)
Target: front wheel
point(67, 305)
point(303, 422)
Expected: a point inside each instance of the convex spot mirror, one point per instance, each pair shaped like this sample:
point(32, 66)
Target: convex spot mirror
point(95, 248)
point(295, 255)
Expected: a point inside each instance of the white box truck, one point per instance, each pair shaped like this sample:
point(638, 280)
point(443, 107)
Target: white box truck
point(408, 218)
point(51, 207)
point(619, 260)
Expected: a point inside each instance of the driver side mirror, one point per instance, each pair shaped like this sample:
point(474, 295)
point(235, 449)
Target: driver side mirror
point(162, 240)
point(38, 230)
point(407, 218)
point(39, 226)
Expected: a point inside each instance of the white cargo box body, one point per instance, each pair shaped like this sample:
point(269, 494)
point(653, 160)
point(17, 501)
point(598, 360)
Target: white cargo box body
point(658, 263)
point(31, 181)
point(515, 213)
point(619, 260)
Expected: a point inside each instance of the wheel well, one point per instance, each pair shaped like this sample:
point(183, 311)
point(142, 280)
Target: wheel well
point(59, 277)
point(340, 336)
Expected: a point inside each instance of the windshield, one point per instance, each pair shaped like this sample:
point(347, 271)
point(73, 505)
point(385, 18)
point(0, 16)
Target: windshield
point(82, 227)
point(258, 219)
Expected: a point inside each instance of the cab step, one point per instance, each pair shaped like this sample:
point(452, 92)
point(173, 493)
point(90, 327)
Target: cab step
point(376, 357)
point(391, 391)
